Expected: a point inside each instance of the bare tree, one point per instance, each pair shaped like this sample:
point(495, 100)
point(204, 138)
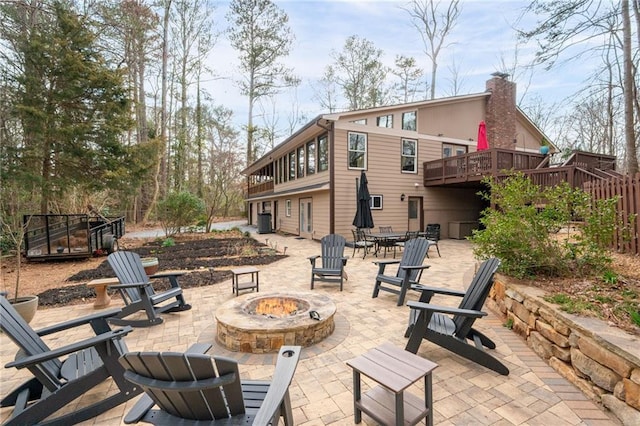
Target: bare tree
point(260, 33)
point(410, 76)
point(456, 80)
point(326, 90)
point(434, 25)
point(193, 40)
point(563, 27)
point(360, 73)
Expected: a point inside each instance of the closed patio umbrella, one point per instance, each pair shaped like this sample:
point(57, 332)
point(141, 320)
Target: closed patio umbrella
point(482, 137)
point(363, 218)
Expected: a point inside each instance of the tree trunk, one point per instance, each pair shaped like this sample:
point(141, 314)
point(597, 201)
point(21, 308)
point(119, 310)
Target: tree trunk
point(629, 130)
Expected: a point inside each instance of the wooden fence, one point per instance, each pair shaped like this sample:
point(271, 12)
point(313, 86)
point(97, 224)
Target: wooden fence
point(628, 190)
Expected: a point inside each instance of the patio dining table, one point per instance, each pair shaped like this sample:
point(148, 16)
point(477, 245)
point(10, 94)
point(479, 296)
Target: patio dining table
point(385, 239)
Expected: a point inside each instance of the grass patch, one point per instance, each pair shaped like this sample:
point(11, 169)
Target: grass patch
point(572, 304)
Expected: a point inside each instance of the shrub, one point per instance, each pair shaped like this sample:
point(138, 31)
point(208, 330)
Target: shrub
point(522, 228)
point(178, 210)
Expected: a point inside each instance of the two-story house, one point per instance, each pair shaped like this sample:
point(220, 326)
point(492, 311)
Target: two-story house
point(308, 182)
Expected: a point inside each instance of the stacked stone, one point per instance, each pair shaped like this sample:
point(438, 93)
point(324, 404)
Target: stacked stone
point(602, 370)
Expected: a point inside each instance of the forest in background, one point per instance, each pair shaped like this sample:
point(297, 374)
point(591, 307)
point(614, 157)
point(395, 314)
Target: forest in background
point(105, 103)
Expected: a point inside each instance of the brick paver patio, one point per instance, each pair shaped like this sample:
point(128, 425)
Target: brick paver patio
point(321, 393)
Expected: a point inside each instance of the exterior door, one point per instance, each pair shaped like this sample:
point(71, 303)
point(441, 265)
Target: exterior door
point(415, 214)
point(306, 218)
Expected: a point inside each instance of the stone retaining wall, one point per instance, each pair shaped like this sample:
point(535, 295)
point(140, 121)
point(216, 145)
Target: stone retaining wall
point(603, 361)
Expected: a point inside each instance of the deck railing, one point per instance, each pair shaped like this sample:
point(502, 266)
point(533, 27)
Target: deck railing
point(474, 166)
point(579, 168)
point(260, 188)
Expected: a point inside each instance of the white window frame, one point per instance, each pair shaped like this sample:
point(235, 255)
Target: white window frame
point(349, 151)
point(403, 155)
point(362, 121)
point(375, 202)
point(287, 207)
point(455, 148)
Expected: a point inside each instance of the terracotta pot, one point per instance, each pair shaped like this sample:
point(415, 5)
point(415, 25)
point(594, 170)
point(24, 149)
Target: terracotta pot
point(25, 306)
point(150, 265)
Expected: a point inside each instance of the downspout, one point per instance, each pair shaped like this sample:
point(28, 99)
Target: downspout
point(330, 139)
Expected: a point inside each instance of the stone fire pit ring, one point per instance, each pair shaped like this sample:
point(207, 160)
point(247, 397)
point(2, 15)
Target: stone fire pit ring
point(240, 331)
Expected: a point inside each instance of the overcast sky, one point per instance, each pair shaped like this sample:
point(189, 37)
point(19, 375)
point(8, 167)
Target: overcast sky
point(482, 38)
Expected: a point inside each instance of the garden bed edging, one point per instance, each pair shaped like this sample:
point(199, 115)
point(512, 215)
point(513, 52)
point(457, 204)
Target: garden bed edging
point(601, 360)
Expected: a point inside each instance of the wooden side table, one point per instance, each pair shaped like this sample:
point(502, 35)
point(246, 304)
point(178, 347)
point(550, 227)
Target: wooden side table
point(250, 285)
point(100, 286)
point(395, 370)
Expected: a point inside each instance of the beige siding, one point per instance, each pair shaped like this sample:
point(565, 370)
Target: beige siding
point(455, 120)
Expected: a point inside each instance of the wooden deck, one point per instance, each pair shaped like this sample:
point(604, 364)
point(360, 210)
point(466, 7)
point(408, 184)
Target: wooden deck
point(470, 169)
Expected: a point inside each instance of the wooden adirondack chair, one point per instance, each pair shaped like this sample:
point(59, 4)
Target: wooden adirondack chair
point(188, 389)
point(456, 333)
point(56, 383)
point(137, 291)
point(333, 260)
point(409, 271)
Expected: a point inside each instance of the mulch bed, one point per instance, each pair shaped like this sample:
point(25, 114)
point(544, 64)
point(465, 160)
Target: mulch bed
point(200, 255)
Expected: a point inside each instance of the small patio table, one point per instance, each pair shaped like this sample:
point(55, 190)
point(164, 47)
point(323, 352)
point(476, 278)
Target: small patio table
point(395, 370)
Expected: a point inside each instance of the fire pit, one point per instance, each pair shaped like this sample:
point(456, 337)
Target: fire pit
point(261, 323)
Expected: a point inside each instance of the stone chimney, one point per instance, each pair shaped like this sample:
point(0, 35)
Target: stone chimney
point(501, 111)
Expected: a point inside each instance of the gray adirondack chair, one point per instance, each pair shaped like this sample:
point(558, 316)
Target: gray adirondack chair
point(56, 383)
point(333, 260)
point(456, 332)
point(138, 293)
point(188, 390)
point(409, 270)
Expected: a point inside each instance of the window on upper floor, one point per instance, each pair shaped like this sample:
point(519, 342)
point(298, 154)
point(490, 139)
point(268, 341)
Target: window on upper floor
point(409, 120)
point(357, 150)
point(360, 121)
point(311, 157)
point(323, 153)
point(301, 162)
point(409, 156)
point(451, 150)
point(292, 165)
point(385, 121)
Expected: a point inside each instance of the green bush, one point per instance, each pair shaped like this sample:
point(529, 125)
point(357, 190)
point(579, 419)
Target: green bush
point(178, 210)
point(522, 228)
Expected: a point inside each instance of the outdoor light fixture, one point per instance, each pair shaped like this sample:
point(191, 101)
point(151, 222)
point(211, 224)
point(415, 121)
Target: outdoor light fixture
point(402, 197)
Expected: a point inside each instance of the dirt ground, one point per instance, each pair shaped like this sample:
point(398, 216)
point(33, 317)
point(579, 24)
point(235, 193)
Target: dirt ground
point(209, 256)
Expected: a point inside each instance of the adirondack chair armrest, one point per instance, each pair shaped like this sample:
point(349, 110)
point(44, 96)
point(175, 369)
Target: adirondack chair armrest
point(313, 259)
point(439, 290)
point(446, 309)
point(77, 322)
point(167, 274)
point(130, 285)
point(415, 267)
point(386, 262)
point(171, 385)
point(286, 364)
point(69, 349)
point(344, 261)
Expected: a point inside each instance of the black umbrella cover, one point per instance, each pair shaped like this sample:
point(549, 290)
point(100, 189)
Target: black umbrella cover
point(363, 218)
